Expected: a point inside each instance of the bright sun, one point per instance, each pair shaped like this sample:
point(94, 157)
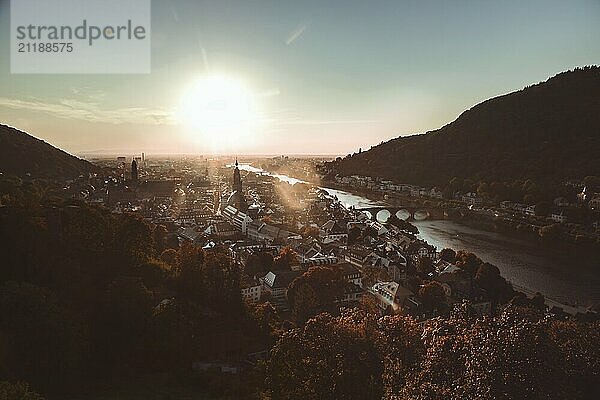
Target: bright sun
point(220, 111)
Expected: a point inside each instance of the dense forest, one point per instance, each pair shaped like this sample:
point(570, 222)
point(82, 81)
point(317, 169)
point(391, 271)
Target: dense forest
point(91, 301)
point(548, 132)
point(22, 154)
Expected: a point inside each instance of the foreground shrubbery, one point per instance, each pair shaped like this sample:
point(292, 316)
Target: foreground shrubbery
point(88, 298)
point(518, 355)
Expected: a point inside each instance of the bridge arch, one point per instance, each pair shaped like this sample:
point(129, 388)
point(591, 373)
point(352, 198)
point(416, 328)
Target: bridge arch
point(383, 215)
point(403, 214)
point(421, 215)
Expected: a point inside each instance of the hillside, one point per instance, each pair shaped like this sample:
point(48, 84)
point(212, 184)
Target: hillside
point(548, 132)
point(21, 153)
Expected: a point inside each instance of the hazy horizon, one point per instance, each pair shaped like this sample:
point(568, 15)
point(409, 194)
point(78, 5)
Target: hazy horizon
point(301, 79)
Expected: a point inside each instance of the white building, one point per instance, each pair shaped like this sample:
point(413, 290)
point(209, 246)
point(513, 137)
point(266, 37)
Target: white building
point(391, 297)
point(251, 292)
point(530, 210)
point(379, 227)
point(237, 218)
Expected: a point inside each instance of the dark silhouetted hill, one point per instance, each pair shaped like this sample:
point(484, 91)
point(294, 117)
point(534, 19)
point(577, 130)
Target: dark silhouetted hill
point(548, 132)
point(21, 153)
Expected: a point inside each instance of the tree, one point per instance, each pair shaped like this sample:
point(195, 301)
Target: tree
point(432, 295)
point(210, 278)
point(263, 319)
point(315, 291)
point(507, 358)
point(259, 263)
point(169, 256)
point(154, 273)
point(425, 266)
point(286, 258)
point(221, 278)
point(512, 358)
point(496, 287)
point(528, 198)
point(399, 342)
point(448, 255)
point(127, 312)
point(372, 275)
point(39, 342)
point(330, 358)
point(578, 345)
point(169, 338)
point(483, 190)
point(368, 305)
point(538, 301)
point(468, 262)
point(135, 239)
point(159, 236)
point(304, 301)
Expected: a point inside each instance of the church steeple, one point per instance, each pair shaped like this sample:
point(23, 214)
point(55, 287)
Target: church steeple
point(237, 179)
point(237, 196)
point(134, 170)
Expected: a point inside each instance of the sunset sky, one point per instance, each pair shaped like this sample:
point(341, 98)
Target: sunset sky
point(302, 77)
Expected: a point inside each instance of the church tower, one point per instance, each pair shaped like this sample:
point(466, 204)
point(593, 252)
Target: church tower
point(237, 179)
point(134, 171)
point(237, 199)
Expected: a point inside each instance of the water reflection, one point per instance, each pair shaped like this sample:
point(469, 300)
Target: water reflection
point(560, 273)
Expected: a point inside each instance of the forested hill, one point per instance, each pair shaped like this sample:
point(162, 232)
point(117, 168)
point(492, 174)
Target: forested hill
point(21, 153)
point(548, 132)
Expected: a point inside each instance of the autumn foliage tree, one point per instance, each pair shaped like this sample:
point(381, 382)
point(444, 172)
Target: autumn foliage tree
point(496, 287)
point(259, 263)
point(448, 255)
point(467, 262)
point(401, 348)
point(424, 266)
point(372, 275)
point(329, 358)
point(315, 291)
point(432, 295)
point(286, 258)
point(520, 354)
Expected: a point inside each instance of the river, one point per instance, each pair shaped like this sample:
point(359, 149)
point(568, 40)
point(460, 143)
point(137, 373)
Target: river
point(562, 274)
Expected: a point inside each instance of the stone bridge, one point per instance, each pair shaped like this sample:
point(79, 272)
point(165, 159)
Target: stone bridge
point(382, 213)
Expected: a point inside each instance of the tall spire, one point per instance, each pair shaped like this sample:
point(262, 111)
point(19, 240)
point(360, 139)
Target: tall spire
point(237, 197)
point(134, 170)
point(237, 179)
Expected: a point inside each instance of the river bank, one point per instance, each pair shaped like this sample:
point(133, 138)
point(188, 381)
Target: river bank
point(565, 274)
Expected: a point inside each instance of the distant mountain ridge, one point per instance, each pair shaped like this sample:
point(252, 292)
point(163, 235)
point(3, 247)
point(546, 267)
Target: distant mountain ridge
point(21, 153)
point(549, 131)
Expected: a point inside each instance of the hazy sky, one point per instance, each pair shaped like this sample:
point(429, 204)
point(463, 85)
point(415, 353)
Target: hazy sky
point(326, 77)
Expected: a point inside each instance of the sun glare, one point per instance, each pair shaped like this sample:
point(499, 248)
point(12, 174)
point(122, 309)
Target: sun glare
point(219, 111)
